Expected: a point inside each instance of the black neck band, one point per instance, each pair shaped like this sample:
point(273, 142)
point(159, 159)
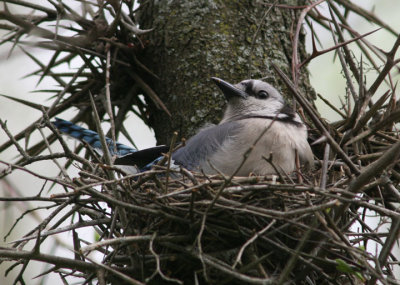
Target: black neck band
point(288, 119)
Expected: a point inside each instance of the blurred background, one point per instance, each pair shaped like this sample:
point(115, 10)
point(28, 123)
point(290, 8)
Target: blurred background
point(326, 78)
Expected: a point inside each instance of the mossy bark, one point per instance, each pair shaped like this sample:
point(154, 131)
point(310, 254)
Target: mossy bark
point(195, 40)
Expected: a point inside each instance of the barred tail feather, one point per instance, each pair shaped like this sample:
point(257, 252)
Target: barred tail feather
point(90, 137)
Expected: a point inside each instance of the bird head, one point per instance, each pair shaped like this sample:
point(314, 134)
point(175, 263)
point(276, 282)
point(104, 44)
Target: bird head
point(250, 98)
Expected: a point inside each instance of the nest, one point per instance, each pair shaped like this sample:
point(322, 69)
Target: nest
point(210, 229)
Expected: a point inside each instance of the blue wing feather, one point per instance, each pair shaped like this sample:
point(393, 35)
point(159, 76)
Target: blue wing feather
point(204, 144)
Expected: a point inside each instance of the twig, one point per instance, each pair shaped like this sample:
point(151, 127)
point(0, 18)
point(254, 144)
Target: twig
point(251, 240)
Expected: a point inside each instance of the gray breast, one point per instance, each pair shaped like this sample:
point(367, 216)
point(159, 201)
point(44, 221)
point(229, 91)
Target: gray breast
point(281, 139)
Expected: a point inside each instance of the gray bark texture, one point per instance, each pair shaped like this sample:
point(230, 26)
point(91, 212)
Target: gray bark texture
point(195, 40)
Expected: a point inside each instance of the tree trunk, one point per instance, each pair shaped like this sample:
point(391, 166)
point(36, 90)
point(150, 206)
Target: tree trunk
point(195, 40)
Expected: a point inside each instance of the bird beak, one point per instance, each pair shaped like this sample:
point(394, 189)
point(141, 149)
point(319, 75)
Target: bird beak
point(228, 89)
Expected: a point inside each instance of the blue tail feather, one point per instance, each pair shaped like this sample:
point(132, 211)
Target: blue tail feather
point(91, 137)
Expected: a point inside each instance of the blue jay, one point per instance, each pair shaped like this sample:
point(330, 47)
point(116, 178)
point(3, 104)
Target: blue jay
point(256, 116)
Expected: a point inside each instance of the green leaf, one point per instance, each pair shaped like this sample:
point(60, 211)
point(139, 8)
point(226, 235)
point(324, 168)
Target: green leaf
point(96, 236)
point(359, 276)
point(342, 266)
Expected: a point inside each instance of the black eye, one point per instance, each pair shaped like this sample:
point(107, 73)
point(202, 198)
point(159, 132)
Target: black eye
point(262, 94)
